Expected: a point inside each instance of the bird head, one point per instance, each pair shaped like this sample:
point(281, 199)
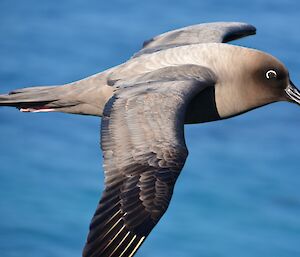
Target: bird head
point(273, 80)
point(252, 79)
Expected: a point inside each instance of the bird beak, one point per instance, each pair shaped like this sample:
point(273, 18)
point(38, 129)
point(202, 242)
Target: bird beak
point(293, 93)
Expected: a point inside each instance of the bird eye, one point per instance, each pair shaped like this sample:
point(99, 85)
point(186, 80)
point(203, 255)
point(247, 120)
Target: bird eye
point(271, 74)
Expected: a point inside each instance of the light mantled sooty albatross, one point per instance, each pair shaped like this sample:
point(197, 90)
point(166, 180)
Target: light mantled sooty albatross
point(185, 76)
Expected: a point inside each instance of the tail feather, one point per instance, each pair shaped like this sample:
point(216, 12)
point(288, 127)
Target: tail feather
point(39, 99)
point(87, 97)
point(32, 89)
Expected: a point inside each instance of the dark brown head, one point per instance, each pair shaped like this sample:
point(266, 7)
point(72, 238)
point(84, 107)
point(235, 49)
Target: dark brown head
point(252, 79)
point(271, 75)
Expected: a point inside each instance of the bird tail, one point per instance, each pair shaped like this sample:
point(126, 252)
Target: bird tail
point(86, 97)
point(37, 99)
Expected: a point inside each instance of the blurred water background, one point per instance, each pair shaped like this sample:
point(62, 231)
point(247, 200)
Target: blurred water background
point(239, 193)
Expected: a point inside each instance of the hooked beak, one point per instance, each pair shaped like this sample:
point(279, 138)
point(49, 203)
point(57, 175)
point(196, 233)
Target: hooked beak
point(293, 93)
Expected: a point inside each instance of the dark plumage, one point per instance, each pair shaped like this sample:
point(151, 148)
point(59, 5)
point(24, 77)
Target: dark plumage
point(180, 77)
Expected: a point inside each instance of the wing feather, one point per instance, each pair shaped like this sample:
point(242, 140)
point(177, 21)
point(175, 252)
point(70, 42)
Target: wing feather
point(216, 32)
point(144, 151)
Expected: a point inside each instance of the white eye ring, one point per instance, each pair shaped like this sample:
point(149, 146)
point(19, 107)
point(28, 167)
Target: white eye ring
point(271, 74)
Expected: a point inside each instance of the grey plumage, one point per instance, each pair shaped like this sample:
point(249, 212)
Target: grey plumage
point(218, 32)
point(88, 96)
point(144, 151)
point(69, 98)
point(180, 77)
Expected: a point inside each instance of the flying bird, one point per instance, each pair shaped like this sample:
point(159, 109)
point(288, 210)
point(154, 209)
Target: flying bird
point(185, 76)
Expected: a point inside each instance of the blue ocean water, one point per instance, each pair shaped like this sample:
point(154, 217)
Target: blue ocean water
point(239, 193)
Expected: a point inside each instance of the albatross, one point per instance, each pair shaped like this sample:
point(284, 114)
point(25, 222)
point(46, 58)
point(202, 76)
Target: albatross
point(185, 76)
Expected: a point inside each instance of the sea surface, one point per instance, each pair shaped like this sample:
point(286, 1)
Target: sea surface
point(239, 192)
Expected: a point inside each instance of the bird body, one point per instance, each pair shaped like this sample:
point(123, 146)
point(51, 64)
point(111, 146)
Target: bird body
point(180, 77)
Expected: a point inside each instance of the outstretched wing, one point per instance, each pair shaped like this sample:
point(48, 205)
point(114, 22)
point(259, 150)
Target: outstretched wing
point(216, 32)
point(142, 140)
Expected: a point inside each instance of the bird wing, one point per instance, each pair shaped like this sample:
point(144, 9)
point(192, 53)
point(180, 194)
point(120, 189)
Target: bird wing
point(216, 32)
point(142, 139)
